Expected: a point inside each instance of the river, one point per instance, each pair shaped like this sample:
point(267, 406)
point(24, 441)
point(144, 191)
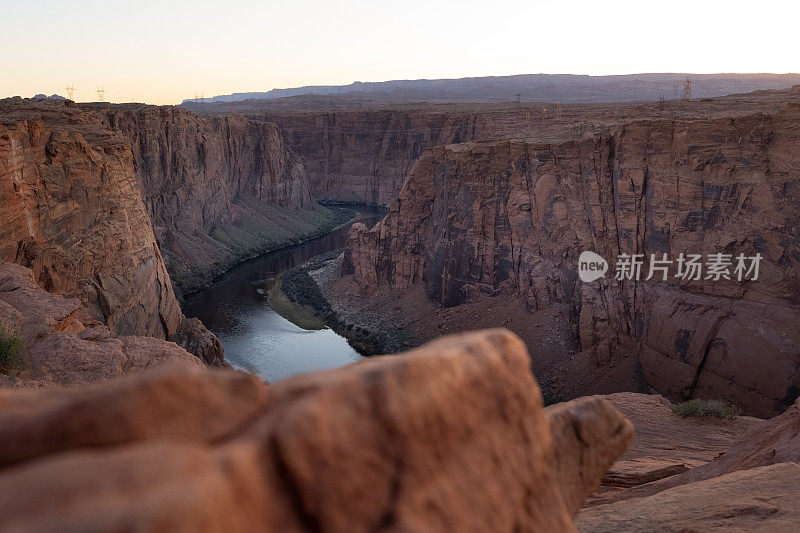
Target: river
point(256, 338)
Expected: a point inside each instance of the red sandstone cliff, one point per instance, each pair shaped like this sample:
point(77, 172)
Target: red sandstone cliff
point(86, 189)
point(363, 156)
point(510, 219)
point(218, 189)
point(71, 209)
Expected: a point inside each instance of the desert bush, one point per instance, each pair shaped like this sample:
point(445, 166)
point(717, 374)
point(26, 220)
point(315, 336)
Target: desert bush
point(12, 348)
point(698, 407)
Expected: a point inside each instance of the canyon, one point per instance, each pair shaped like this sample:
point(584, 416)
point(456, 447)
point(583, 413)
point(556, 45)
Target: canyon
point(110, 214)
point(218, 189)
point(490, 205)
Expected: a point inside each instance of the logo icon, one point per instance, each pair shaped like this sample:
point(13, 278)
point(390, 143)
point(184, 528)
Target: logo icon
point(591, 266)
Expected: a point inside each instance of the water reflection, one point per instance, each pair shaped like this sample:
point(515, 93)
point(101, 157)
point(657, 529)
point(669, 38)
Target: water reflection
point(254, 336)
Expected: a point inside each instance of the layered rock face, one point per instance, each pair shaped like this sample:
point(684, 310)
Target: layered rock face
point(511, 218)
point(449, 437)
point(218, 190)
point(72, 210)
point(85, 188)
point(363, 156)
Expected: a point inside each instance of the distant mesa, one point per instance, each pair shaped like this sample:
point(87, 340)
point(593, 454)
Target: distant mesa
point(565, 88)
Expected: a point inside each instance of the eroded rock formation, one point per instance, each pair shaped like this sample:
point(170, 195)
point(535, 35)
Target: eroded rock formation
point(665, 444)
point(449, 437)
point(510, 219)
point(63, 345)
point(761, 499)
point(764, 443)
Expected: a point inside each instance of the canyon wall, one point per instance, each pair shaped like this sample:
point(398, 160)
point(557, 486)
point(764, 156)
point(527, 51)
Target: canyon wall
point(72, 212)
point(93, 195)
point(218, 189)
point(71, 209)
point(510, 219)
point(363, 156)
point(359, 150)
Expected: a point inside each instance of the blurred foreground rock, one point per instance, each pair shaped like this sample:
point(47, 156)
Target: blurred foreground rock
point(452, 436)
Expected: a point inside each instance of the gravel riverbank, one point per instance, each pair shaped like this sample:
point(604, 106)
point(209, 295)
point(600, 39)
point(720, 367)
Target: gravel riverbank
point(368, 332)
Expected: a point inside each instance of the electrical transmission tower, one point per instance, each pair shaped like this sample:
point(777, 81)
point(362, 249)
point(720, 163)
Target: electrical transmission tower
point(200, 101)
point(70, 92)
point(519, 102)
point(100, 93)
point(687, 89)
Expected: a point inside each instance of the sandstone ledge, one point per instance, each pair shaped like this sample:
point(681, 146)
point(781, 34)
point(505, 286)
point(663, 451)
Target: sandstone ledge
point(760, 499)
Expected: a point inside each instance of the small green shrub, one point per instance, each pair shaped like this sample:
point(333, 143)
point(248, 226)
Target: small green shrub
point(12, 349)
point(715, 408)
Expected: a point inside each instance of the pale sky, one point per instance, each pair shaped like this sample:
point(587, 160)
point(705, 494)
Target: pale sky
point(163, 51)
